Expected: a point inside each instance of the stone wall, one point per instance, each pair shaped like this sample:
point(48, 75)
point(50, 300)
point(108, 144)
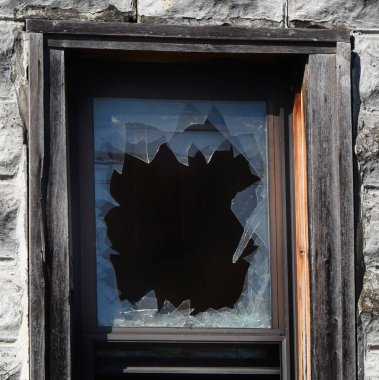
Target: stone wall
point(13, 201)
point(361, 17)
point(366, 81)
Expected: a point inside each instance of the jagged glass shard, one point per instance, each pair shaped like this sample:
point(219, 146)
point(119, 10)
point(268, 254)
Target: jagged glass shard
point(244, 203)
point(102, 208)
point(180, 146)
point(139, 128)
point(206, 142)
point(148, 302)
point(184, 308)
point(191, 115)
point(167, 308)
point(252, 224)
point(253, 152)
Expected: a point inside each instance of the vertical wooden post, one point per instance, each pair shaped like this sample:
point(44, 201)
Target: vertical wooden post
point(57, 224)
point(331, 229)
point(301, 243)
point(343, 69)
point(37, 249)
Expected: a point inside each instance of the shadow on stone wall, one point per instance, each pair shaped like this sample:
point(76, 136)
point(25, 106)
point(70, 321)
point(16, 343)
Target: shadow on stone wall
point(360, 267)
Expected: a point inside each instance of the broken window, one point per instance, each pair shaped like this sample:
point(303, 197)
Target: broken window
point(181, 199)
point(159, 182)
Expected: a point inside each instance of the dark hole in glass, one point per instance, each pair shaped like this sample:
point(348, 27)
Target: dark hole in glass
point(175, 231)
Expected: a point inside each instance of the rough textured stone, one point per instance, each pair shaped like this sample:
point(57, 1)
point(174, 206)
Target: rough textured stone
point(9, 204)
point(361, 14)
point(369, 345)
point(367, 143)
point(255, 13)
point(7, 41)
point(368, 306)
point(109, 10)
point(367, 50)
point(14, 331)
point(369, 300)
point(6, 84)
point(370, 219)
point(13, 229)
point(366, 69)
point(11, 126)
point(10, 366)
point(11, 138)
point(11, 303)
point(366, 78)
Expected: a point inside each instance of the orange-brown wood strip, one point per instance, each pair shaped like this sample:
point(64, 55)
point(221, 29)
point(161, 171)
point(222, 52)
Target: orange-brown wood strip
point(302, 259)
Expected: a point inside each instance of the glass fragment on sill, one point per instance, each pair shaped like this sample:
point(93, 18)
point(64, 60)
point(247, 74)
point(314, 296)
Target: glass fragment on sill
point(127, 128)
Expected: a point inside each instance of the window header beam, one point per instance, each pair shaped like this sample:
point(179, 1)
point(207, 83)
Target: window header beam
point(210, 33)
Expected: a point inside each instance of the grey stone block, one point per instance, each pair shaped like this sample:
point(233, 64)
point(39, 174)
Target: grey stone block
point(367, 142)
point(11, 303)
point(108, 10)
point(11, 127)
point(368, 306)
point(7, 91)
point(360, 14)
point(11, 138)
point(10, 366)
point(9, 206)
point(370, 219)
point(369, 324)
point(6, 39)
point(367, 50)
point(255, 13)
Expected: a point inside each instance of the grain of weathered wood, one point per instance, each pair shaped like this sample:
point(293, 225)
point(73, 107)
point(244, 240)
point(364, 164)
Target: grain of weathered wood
point(36, 214)
point(325, 223)
point(57, 225)
point(191, 32)
point(182, 46)
point(346, 212)
point(301, 239)
point(331, 228)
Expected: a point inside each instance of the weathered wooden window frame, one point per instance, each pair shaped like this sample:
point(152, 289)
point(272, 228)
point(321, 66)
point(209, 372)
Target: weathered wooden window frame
point(322, 190)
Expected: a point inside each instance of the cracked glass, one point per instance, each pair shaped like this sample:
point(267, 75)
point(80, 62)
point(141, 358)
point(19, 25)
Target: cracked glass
point(181, 201)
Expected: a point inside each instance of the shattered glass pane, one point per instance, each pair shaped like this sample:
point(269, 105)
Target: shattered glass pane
point(181, 205)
